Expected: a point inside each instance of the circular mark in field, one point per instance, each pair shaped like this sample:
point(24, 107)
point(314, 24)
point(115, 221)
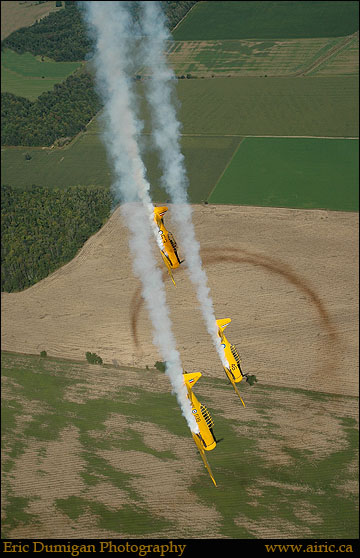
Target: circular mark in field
point(240, 256)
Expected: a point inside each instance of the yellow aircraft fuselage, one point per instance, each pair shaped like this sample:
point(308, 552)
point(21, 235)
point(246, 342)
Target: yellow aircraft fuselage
point(233, 372)
point(201, 414)
point(169, 250)
point(204, 439)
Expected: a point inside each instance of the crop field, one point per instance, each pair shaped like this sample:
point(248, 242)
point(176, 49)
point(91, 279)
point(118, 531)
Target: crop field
point(64, 167)
point(268, 20)
point(229, 58)
point(28, 76)
point(93, 451)
point(58, 167)
point(270, 106)
point(280, 172)
point(244, 107)
point(344, 62)
point(292, 172)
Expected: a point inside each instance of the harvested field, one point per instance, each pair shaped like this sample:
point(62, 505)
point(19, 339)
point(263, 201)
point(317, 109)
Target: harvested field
point(287, 278)
point(103, 451)
point(15, 15)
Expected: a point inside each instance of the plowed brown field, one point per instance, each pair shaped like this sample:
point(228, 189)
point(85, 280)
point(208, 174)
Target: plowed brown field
point(287, 278)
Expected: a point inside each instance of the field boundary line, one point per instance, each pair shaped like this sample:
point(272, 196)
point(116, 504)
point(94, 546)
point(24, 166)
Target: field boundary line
point(264, 136)
point(226, 167)
point(182, 19)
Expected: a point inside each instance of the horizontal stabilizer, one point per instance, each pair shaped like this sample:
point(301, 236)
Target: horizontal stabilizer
point(160, 210)
point(222, 324)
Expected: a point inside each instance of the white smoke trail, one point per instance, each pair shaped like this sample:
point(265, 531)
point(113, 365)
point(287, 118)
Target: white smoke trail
point(166, 133)
point(110, 25)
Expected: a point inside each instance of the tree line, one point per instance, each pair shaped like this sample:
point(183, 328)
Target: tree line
point(175, 11)
point(62, 112)
point(62, 35)
point(43, 228)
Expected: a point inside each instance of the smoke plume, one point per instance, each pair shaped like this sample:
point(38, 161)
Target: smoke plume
point(114, 33)
point(166, 133)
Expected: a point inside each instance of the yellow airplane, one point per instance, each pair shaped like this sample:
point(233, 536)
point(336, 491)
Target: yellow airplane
point(169, 251)
point(205, 439)
point(234, 372)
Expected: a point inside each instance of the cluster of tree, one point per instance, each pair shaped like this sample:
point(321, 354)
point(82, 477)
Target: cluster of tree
point(93, 358)
point(62, 112)
point(43, 228)
point(161, 366)
point(61, 36)
point(175, 11)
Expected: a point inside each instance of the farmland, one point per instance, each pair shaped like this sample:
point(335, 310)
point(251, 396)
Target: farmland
point(345, 62)
point(292, 172)
point(269, 133)
point(100, 447)
point(63, 167)
point(23, 14)
point(270, 106)
point(230, 58)
point(268, 20)
point(244, 106)
point(28, 76)
point(123, 455)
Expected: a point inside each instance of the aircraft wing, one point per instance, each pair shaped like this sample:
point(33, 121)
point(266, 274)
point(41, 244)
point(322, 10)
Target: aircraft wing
point(168, 267)
point(234, 385)
point(203, 457)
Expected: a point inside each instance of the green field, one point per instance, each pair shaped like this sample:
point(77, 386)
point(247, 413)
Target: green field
point(268, 20)
point(216, 114)
point(28, 76)
point(319, 106)
point(292, 172)
point(104, 421)
point(85, 162)
point(244, 107)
